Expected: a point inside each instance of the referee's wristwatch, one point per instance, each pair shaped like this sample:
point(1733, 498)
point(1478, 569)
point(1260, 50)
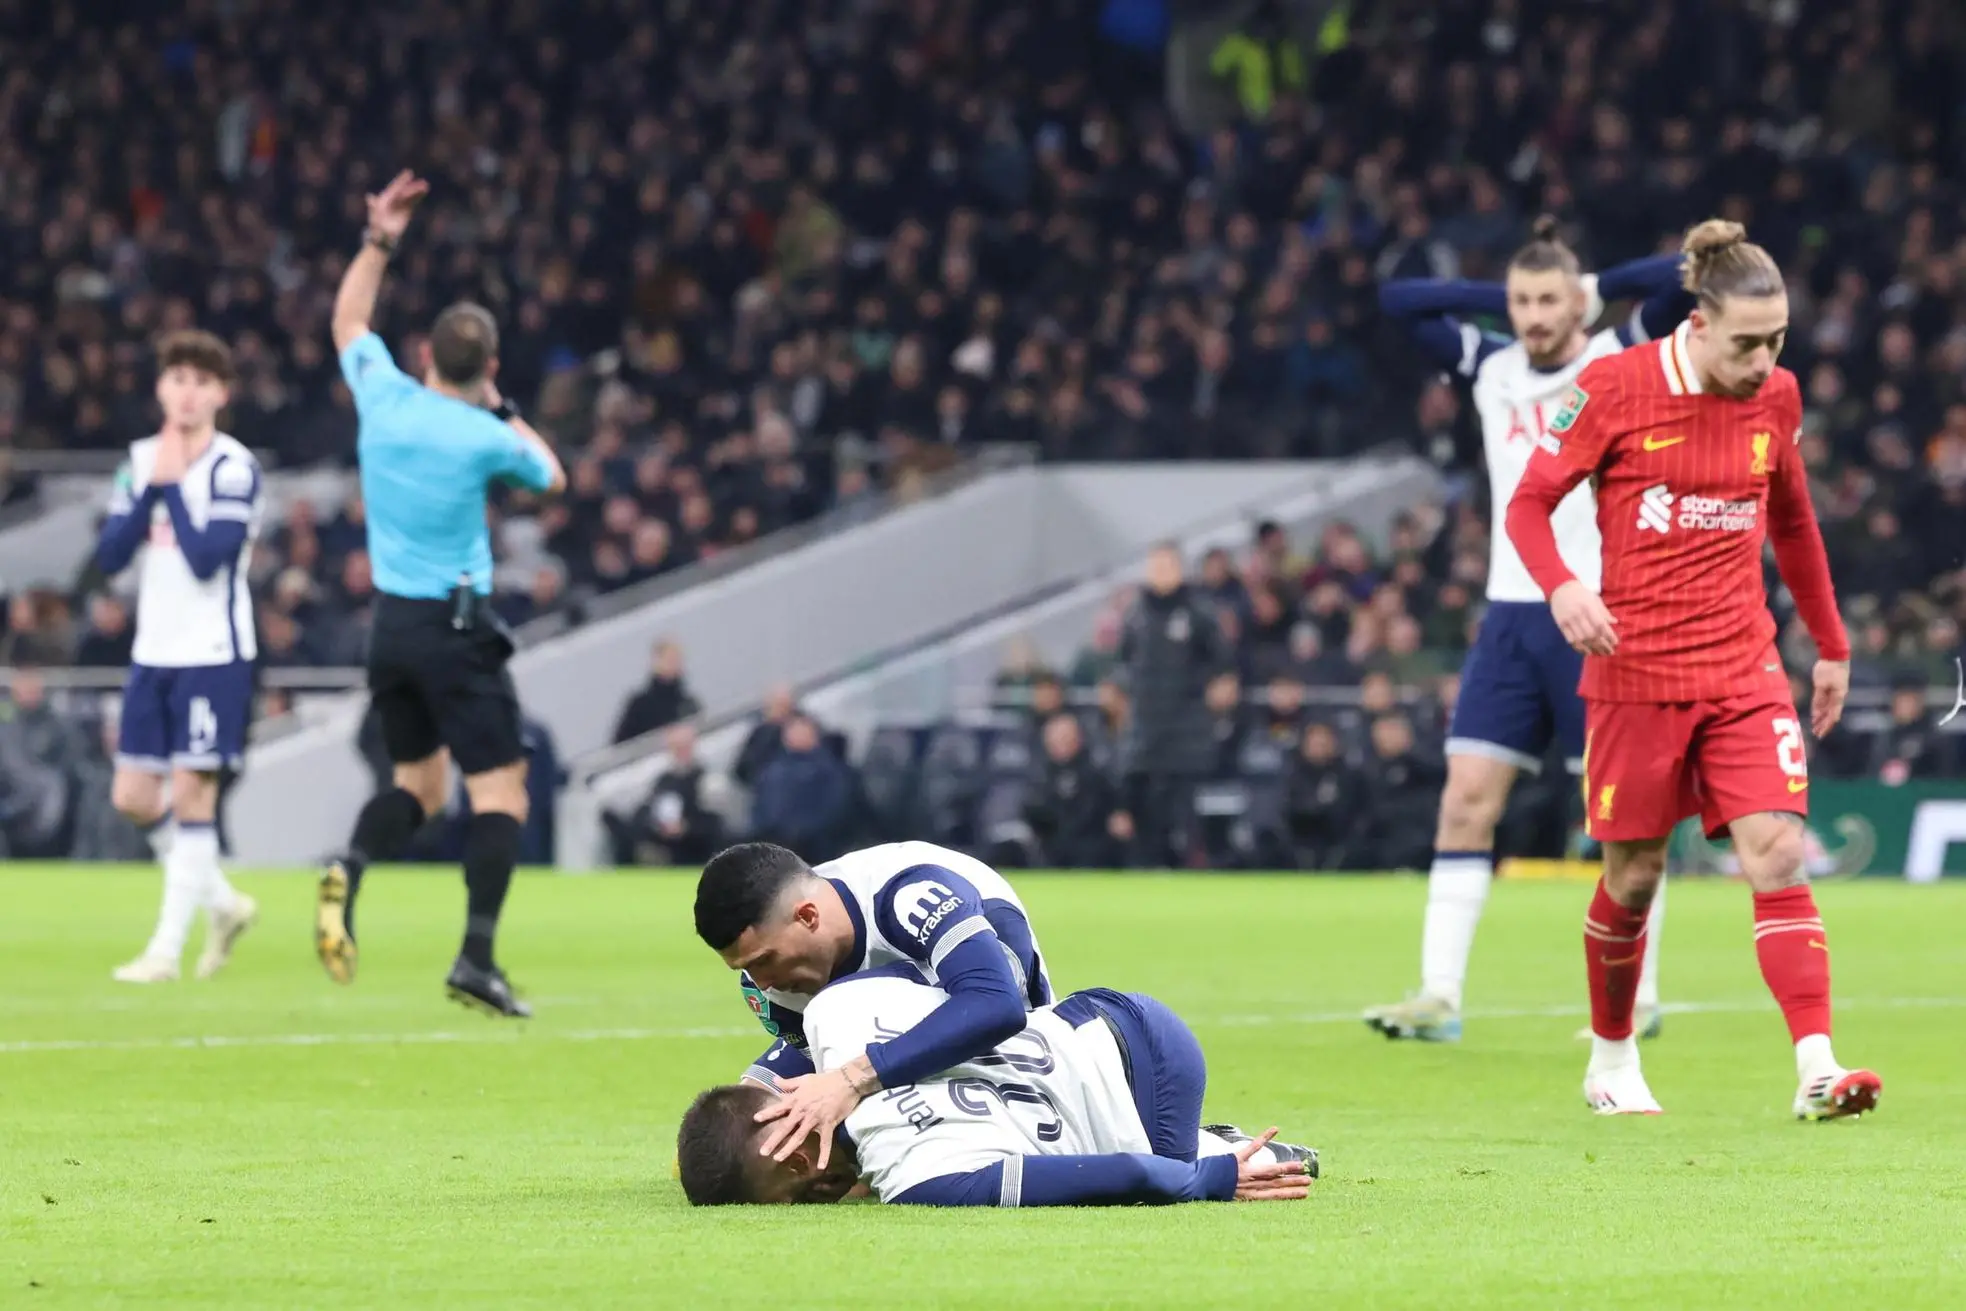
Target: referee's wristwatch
point(505, 411)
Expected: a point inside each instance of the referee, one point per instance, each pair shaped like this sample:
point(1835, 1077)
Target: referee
point(437, 655)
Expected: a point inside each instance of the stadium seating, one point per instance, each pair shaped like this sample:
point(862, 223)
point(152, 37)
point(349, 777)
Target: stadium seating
point(847, 254)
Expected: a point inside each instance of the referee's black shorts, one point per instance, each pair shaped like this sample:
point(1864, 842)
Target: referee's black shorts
point(438, 684)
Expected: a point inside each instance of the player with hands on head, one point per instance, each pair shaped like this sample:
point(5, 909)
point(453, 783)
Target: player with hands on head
point(1519, 685)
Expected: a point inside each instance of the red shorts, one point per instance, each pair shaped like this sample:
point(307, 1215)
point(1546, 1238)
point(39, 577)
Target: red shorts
point(1649, 765)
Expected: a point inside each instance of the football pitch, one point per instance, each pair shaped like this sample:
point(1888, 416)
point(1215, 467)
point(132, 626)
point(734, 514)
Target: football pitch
point(269, 1140)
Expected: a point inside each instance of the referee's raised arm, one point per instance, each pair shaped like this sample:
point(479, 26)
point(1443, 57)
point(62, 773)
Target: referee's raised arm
point(429, 450)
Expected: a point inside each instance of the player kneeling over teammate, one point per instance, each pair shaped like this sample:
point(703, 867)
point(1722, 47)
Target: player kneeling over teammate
point(1097, 1102)
point(792, 929)
point(1692, 446)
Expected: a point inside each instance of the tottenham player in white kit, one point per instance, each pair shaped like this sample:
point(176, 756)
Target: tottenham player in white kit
point(1094, 1101)
point(186, 509)
point(1519, 685)
point(791, 929)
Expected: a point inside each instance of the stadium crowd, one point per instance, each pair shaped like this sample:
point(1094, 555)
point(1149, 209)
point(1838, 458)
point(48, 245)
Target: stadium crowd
point(754, 261)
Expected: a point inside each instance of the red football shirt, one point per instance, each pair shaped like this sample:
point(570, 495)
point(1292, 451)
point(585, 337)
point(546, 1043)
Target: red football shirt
point(1689, 485)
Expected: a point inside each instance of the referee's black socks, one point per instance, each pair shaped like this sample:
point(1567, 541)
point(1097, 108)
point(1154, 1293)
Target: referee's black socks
point(383, 829)
point(385, 826)
point(491, 850)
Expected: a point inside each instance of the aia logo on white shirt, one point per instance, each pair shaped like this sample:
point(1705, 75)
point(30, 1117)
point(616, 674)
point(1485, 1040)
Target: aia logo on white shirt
point(1655, 508)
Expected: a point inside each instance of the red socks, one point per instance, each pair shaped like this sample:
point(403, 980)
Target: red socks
point(1614, 953)
point(1794, 954)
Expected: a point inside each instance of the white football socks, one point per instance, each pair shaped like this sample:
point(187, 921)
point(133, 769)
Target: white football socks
point(198, 845)
point(184, 893)
point(1457, 889)
point(160, 833)
point(1813, 1057)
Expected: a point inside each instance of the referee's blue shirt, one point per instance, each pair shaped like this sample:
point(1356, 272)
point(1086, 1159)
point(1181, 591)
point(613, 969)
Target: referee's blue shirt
point(427, 460)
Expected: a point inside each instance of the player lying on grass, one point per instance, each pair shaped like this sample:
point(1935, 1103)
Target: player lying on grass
point(792, 929)
point(1692, 446)
point(1519, 686)
point(1096, 1102)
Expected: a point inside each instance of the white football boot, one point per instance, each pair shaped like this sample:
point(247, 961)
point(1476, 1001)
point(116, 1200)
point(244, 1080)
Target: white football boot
point(225, 928)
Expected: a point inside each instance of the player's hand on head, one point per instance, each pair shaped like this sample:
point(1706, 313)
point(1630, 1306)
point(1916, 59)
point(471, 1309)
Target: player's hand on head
point(1268, 1181)
point(1587, 624)
point(1832, 688)
point(390, 208)
point(806, 1104)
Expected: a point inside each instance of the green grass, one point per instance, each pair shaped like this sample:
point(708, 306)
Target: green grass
point(377, 1146)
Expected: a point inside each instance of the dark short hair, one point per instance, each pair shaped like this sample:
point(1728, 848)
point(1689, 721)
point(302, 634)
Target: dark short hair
point(463, 343)
point(193, 348)
point(739, 887)
point(714, 1154)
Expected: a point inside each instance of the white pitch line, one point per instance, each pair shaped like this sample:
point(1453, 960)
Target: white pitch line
point(1573, 1011)
point(515, 1035)
point(507, 1035)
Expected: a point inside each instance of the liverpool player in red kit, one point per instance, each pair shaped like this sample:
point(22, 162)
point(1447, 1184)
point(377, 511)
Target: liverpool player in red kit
point(1691, 443)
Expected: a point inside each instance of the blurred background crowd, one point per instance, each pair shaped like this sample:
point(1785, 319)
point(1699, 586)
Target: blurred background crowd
point(758, 262)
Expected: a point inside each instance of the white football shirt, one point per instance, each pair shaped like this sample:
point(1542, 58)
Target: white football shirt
point(1516, 403)
point(1053, 1090)
point(905, 907)
point(183, 620)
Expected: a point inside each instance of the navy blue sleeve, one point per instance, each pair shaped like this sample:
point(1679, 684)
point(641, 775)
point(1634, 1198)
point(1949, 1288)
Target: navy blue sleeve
point(1425, 308)
point(1655, 281)
point(781, 1060)
point(205, 549)
point(985, 1007)
point(1117, 1180)
point(1416, 298)
point(123, 533)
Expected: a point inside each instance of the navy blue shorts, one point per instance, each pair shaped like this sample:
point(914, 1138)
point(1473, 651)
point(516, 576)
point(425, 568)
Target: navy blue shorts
point(1519, 691)
point(1164, 1064)
point(193, 717)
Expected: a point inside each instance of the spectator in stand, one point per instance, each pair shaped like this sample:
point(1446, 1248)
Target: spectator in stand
point(544, 597)
point(1228, 724)
point(1280, 719)
point(40, 754)
point(1911, 747)
point(1323, 802)
point(1220, 583)
point(672, 826)
point(1047, 699)
point(1021, 668)
point(663, 700)
point(38, 630)
point(1402, 792)
point(1171, 649)
point(1072, 808)
point(1100, 658)
point(766, 739)
point(106, 642)
point(804, 796)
